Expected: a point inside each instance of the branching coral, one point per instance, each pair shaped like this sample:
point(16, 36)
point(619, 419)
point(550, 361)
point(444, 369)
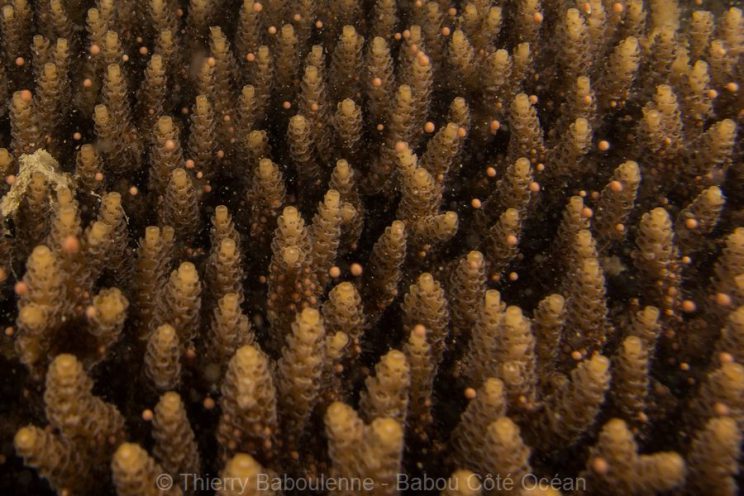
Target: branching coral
point(371, 240)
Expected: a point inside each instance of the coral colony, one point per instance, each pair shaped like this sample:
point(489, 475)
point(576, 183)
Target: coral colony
point(371, 247)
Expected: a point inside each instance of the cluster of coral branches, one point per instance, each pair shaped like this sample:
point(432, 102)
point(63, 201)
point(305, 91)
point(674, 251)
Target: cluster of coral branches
point(314, 239)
